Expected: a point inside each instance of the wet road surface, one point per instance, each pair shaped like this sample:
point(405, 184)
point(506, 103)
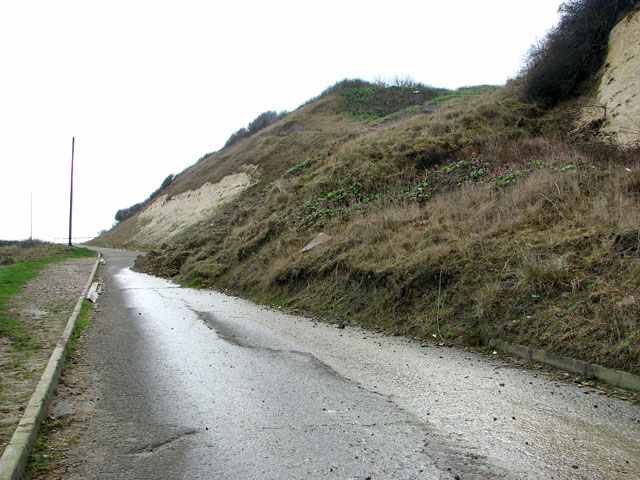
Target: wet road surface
point(196, 384)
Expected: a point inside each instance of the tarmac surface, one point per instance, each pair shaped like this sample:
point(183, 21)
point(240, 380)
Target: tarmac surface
point(198, 384)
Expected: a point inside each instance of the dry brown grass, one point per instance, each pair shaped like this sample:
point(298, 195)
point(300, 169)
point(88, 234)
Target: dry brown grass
point(519, 235)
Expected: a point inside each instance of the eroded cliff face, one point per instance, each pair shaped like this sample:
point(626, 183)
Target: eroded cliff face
point(619, 88)
point(165, 216)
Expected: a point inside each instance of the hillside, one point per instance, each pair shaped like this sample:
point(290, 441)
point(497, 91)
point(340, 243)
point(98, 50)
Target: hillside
point(462, 215)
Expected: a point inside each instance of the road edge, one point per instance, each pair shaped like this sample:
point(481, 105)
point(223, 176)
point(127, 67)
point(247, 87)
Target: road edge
point(616, 378)
point(16, 453)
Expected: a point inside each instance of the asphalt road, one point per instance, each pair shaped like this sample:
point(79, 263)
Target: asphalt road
point(196, 384)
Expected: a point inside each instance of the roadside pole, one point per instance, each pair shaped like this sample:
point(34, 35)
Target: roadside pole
point(73, 144)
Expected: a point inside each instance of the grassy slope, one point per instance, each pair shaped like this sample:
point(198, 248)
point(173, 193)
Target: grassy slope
point(485, 218)
point(301, 137)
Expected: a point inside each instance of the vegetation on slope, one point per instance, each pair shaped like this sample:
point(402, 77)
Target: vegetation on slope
point(125, 213)
point(464, 224)
point(372, 101)
point(261, 122)
point(574, 50)
point(471, 214)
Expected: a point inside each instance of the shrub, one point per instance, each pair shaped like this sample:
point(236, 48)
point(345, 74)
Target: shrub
point(236, 137)
point(573, 50)
point(264, 120)
point(342, 84)
point(125, 213)
point(260, 122)
point(376, 101)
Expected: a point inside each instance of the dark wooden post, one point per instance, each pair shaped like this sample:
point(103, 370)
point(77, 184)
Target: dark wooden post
point(73, 144)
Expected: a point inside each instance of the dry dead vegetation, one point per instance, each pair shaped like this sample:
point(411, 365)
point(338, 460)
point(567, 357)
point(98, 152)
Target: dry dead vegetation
point(463, 215)
point(487, 218)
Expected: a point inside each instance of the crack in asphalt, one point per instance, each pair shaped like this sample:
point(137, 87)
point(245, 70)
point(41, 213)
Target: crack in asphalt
point(159, 445)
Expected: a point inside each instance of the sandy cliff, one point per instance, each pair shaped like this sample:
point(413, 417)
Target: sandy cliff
point(619, 88)
point(166, 216)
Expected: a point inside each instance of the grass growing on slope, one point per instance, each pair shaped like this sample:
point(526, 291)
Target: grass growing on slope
point(376, 101)
point(460, 92)
point(550, 260)
point(482, 219)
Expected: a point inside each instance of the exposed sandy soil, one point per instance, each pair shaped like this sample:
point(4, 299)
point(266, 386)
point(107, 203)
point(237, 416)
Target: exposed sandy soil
point(619, 90)
point(167, 215)
point(620, 87)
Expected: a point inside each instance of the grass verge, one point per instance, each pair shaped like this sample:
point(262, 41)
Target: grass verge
point(27, 340)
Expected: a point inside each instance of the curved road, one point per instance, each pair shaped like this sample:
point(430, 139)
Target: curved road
point(195, 384)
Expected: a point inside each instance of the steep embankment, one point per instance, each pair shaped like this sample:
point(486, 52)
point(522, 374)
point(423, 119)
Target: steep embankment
point(197, 195)
point(469, 216)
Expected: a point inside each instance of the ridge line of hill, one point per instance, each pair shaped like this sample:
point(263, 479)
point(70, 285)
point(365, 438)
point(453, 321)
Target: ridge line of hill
point(468, 215)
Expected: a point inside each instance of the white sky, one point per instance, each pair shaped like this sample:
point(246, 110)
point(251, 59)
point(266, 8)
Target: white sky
point(148, 87)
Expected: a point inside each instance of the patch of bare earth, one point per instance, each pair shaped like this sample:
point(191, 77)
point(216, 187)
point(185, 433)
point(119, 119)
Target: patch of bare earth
point(43, 307)
point(618, 98)
point(72, 407)
point(167, 215)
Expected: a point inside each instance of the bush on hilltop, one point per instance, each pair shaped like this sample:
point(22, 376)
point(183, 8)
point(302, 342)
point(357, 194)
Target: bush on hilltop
point(572, 51)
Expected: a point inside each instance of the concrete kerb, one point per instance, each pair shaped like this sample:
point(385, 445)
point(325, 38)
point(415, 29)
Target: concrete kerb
point(613, 377)
point(16, 453)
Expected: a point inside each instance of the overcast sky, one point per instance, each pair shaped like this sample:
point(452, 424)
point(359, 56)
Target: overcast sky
point(148, 87)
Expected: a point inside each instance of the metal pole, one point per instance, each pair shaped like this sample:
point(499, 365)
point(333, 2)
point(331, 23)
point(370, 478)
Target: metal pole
point(31, 236)
point(73, 144)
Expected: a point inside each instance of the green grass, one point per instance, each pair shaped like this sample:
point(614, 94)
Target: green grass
point(379, 101)
point(461, 92)
point(14, 276)
point(24, 344)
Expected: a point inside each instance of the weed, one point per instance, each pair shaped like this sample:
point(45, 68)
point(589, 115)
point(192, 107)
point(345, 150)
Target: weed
point(488, 300)
point(82, 322)
point(41, 458)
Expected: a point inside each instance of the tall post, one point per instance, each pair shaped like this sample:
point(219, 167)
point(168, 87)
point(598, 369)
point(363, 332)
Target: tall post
point(31, 221)
point(73, 144)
